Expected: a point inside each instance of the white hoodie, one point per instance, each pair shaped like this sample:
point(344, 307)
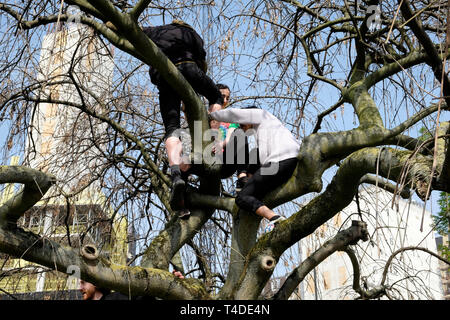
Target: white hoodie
point(275, 142)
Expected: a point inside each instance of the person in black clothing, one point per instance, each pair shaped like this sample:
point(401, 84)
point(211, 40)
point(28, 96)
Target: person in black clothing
point(184, 47)
point(230, 148)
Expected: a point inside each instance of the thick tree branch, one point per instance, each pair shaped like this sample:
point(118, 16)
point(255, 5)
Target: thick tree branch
point(87, 7)
point(132, 281)
point(139, 8)
point(412, 59)
point(36, 184)
point(178, 232)
point(373, 180)
point(443, 152)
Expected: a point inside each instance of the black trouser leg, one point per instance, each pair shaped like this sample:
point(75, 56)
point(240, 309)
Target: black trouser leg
point(251, 195)
point(169, 104)
point(236, 156)
point(170, 101)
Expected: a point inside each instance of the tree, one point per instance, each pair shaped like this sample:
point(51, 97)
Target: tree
point(368, 56)
point(441, 219)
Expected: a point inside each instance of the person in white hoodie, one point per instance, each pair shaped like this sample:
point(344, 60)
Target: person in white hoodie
point(277, 149)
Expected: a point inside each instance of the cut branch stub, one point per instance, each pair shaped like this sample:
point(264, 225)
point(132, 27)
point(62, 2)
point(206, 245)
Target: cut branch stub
point(89, 252)
point(360, 231)
point(268, 263)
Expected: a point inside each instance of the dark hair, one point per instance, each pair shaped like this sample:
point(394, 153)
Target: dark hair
point(104, 291)
point(222, 86)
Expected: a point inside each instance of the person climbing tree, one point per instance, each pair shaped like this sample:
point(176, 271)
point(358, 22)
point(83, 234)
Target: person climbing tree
point(277, 149)
point(184, 47)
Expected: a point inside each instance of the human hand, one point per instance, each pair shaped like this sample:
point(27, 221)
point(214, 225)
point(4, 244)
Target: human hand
point(178, 274)
point(218, 147)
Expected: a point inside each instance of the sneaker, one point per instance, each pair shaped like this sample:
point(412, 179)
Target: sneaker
point(177, 196)
point(240, 183)
point(272, 223)
point(183, 214)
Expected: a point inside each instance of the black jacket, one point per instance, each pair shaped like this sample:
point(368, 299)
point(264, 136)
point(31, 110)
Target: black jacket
point(179, 42)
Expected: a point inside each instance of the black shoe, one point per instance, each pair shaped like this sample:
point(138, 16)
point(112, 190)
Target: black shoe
point(240, 183)
point(177, 196)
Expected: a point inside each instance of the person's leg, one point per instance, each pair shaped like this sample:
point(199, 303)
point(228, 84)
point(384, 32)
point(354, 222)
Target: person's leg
point(236, 158)
point(173, 149)
point(169, 104)
point(265, 212)
point(170, 112)
point(250, 198)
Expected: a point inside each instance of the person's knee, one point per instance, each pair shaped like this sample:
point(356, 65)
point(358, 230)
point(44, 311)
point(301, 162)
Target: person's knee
point(173, 132)
point(241, 201)
point(248, 203)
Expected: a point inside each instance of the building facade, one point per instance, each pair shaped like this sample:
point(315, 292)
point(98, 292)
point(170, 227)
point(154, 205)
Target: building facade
point(393, 223)
point(75, 71)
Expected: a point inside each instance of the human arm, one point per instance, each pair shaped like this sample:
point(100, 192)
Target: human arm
point(229, 134)
point(241, 116)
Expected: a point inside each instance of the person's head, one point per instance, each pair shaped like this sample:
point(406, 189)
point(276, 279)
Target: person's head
point(91, 292)
point(226, 92)
point(246, 127)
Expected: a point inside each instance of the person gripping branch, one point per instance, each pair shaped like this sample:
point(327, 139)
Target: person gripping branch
point(184, 47)
point(277, 150)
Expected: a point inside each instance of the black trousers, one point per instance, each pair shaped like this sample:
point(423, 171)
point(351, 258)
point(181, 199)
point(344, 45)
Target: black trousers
point(170, 101)
point(236, 156)
point(260, 184)
point(235, 160)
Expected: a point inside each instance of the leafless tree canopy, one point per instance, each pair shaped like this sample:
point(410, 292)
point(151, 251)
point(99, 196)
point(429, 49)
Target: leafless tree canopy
point(363, 84)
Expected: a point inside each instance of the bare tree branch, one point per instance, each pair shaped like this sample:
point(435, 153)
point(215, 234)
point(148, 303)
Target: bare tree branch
point(358, 231)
